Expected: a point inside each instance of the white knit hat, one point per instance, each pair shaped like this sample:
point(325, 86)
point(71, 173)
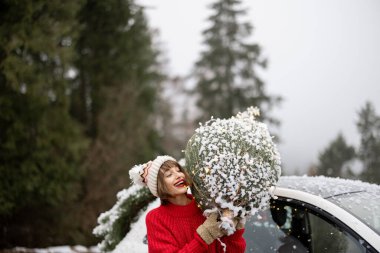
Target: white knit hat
point(146, 174)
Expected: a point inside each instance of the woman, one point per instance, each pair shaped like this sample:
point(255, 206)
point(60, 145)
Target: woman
point(178, 225)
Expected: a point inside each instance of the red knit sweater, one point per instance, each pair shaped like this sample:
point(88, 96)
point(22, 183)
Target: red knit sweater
point(172, 228)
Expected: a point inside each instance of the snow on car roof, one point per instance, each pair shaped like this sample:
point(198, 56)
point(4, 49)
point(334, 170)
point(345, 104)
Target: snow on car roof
point(359, 198)
point(327, 186)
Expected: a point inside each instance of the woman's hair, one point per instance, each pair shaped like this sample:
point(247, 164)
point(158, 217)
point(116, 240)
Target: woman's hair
point(162, 190)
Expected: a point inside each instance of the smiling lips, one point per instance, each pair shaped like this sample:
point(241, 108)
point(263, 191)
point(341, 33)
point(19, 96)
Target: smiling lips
point(180, 183)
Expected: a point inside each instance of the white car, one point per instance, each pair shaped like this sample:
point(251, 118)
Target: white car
point(308, 214)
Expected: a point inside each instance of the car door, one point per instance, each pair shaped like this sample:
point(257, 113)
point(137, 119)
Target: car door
point(292, 226)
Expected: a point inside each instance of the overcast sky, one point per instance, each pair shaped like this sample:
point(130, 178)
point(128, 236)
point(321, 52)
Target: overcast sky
point(324, 60)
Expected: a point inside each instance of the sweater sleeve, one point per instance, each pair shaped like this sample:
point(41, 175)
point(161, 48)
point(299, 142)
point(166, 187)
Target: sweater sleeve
point(235, 243)
point(160, 239)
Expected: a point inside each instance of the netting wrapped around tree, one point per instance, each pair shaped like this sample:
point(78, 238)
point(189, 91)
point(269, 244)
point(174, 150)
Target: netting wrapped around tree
point(233, 164)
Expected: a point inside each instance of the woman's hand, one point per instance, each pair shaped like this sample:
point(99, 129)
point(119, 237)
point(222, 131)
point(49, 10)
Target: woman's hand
point(210, 229)
point(239, 222)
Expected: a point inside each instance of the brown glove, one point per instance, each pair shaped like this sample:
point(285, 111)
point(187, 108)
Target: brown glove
point(210, 230)
point(239, 223)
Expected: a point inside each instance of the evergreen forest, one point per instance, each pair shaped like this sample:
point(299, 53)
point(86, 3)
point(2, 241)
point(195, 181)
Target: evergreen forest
point(84, 98)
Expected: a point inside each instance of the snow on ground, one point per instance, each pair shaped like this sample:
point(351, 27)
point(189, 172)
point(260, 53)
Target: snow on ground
point(56, 249)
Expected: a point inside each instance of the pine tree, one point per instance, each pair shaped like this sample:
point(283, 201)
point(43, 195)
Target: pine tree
point(369, 152)
point(114, 47)
point(40, 144)
point(115, 97)
point(333, 159)
point(115, 223)
point(226, 73)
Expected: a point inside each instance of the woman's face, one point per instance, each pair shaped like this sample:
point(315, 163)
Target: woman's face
point(175, 181)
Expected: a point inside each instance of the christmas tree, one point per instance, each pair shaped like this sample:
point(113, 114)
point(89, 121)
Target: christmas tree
point(114, 224)
point(233, 164)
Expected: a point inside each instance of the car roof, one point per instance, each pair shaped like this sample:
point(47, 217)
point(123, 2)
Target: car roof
point(326, 187)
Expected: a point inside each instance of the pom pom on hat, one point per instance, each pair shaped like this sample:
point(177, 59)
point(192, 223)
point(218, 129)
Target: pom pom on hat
point(146, 174)
point(136, 174)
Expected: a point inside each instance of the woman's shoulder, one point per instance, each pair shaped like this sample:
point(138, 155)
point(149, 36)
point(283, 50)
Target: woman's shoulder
point(157, 217)
point(154, 213)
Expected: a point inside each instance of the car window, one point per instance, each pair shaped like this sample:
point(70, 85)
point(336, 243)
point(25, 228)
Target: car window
point(291, 227)
point(282, 228)
point(326, 237)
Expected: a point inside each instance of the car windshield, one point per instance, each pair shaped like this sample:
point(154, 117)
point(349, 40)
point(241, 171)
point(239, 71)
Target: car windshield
point(363, 205)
